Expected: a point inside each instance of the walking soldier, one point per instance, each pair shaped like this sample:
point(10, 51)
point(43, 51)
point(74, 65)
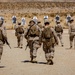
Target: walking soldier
point(32, 35)
point(49, 38)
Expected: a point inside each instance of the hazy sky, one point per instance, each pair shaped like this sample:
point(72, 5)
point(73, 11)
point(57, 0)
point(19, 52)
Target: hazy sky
point(37, 0)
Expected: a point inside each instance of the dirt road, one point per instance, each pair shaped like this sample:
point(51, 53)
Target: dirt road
point(16, 61)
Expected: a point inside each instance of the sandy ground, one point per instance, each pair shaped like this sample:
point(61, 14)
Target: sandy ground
point(15, 61)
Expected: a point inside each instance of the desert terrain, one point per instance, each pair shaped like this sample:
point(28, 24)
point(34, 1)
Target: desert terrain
point(15, 61)
point(37, 0)
point(39, 9)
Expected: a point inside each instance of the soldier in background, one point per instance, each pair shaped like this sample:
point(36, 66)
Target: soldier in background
point(32, 35)
point(57, 18)
point(19, 32)
point(49, 39)
point(3, 35)
point(14, 21)
point(72, 33)
point(68, 18)
point(23, 21)
point(59, 31)
point(45, 18)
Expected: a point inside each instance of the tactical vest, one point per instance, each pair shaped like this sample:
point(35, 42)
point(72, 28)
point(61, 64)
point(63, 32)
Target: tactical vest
point(58, 28)
point(47, 33)
point(20, 30)
point(34, 31)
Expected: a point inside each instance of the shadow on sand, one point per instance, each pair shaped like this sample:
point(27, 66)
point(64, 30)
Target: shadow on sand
point(2, 66)
point(27, 61)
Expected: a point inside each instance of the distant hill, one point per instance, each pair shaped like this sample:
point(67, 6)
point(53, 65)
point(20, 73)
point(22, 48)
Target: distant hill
point(37, 0)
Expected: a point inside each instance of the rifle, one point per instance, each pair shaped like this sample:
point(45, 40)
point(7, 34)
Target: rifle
point(28, 32)
point(6, 41)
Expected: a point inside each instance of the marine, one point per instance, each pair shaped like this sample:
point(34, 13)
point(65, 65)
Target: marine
point(3, 36)
point(49, 40)
point(59, 31)
point(19, 32)
point(72, 33)
point(32, 34)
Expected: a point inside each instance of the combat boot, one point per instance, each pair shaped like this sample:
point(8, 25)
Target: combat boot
point(70, 47)
point(50, 61)
point(31, 59)
point(62, 45)
point(21, 47)
point(34, 60)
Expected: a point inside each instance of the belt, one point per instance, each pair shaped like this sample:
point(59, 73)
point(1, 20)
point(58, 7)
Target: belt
point(33, 35)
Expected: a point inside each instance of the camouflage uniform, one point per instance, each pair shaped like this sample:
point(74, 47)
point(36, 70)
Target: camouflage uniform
point(14, 21)
point(48, 43)
point(19, 36)
point(33, 41)
point(59, 32)
point(2, 27)
point(72, 33)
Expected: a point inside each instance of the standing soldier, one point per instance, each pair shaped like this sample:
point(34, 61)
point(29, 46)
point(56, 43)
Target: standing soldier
point(57, 18)
point(59, 31)
point(32, 35)
point(19, 31)
point(68, 18)
point(14, 20)
point(72, 33)
point(49, 38)
point(23, 21)
point(45, 18)
point(3, 36)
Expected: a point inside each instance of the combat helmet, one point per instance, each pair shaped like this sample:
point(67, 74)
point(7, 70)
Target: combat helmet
point(32, 21)
point(1, 20)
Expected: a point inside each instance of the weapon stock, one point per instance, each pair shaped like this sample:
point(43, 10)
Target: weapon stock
point(7, 42)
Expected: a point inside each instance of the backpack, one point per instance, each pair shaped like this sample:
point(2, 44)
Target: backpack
point(47, 33)
point(20, 30)
point(58, 28)
point(34, 31)
point(48, 37)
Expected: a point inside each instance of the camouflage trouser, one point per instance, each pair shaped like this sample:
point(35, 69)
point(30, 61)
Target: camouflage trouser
point(49, 51)
point(33, 45)
point(72, 37)
point(60, 37)
point(1, 49)
point(13, 25)
point(20, 40)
